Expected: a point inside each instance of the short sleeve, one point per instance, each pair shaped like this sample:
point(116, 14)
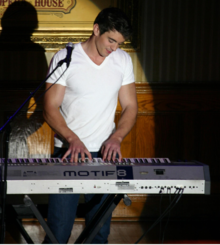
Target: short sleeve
point(58, 75)
point(128, 72)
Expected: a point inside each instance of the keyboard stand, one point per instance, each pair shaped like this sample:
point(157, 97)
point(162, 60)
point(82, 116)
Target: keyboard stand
point(12, 216)
point(89, 232)
point(28, 202)
point(99, 218)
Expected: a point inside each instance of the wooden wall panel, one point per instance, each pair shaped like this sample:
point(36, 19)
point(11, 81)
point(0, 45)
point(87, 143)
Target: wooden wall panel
point(145, 140)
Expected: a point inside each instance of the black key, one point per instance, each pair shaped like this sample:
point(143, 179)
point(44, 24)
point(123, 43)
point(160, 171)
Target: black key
point(145, 160)
point(141, 161)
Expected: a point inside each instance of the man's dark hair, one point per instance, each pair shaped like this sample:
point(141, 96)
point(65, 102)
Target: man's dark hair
point(111, 19)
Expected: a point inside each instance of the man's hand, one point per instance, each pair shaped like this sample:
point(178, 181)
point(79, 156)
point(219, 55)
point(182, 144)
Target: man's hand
point(110, 148)
point(76, 146)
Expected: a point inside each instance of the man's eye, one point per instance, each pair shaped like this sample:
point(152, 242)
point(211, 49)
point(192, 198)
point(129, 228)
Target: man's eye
point(110, 41)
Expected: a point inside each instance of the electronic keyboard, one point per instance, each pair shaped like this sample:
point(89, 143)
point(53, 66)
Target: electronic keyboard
point(131, 175)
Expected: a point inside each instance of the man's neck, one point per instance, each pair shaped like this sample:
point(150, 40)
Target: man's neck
point(90, 49)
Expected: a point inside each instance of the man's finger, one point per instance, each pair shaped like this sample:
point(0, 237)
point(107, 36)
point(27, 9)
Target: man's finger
point(114, 155)
point(119, 156)
point(72, 157)
point(109, 157)
point(105, 153)
point(102, 149)
point(82, 156)
point(66, 154)
point(89, 155)
point(76, 155)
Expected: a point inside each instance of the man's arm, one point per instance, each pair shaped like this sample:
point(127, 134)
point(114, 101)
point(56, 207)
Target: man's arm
point(52, 101)
point(128, 101)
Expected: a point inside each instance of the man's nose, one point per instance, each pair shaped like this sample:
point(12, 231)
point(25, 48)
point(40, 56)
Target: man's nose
point(114, 46)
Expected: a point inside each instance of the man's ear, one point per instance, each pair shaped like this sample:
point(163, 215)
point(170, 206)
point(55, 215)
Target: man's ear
point(96, 30)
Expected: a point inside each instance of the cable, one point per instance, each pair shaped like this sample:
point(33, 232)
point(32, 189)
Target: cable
point(162, 240)
point(168, 209)
point(160, 229)
point(37, 99)
point(161, 217)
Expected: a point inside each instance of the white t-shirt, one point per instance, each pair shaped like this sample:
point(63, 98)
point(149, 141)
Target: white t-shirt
point(91, 93)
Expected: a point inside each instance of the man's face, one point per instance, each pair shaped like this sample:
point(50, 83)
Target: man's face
point(107, 42)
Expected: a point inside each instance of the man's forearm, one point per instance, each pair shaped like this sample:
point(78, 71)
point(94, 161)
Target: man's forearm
point(58, 124)
point(126, 122)
point(112, 146)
